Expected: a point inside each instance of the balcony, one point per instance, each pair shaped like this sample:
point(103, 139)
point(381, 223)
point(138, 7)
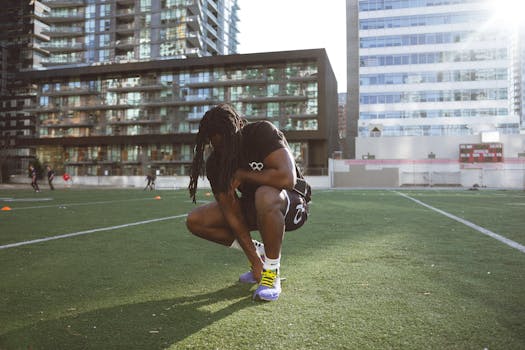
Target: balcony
point(68, 18)
point(192, 52)
point(303, 115)
point(40, 48)
point(195, 39)
point(212, 19)
point(194, 6)
point(277, 98)
point(44, 109)
point(81, 162)
point(209, 100)
point(41, 35)
point(194, 22)
point(137, 121)
point(101, 106)
point(68, 123)
point(60, 62)
point(171, 161)
point(126, 14)
point(128, 57)
point(212, 6)
point(143, 86)
point(211, 45)
point(126, 28)
point(304, 78)
point(71, 91)
point(226, 82)
point(64, 32)
point(72, 47)
point(64, 3)
point(125, 44)
point(212, 31)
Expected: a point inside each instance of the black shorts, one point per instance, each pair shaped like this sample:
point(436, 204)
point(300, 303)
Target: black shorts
point(295, 215)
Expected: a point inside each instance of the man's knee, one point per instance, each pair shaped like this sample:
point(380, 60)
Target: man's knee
point(267, 198)
point(193, 221)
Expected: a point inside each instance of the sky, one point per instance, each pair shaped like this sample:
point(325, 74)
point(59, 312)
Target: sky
point(281, 25)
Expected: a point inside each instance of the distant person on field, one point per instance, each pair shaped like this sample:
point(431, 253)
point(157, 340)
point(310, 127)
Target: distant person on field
point(252, 159)
point(151, 182)
point(34, 178)
point(50, 177)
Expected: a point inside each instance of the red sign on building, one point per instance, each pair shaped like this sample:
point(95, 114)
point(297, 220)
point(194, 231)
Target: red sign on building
point(480, 152)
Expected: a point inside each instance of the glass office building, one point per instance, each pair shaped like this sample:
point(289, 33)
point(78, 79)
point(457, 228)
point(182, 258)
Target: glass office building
point(127, 119)
point(434, 68)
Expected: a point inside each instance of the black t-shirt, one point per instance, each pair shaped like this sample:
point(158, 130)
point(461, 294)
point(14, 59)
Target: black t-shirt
point(259, 139)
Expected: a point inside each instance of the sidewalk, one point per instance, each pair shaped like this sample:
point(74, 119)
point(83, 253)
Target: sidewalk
point(44, 186)
point(9, 186)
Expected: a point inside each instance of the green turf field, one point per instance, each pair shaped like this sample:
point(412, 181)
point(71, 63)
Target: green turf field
point(370, 270)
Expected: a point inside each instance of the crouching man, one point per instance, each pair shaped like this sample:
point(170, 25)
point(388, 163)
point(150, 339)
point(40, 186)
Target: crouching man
point(257, 186)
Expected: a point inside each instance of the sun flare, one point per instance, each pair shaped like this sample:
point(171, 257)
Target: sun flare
point(508, 12)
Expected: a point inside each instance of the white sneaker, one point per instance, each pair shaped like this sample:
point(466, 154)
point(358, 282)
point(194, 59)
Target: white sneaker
point(270, 287)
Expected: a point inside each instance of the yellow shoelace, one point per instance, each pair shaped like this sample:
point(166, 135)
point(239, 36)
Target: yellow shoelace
point(268, 277)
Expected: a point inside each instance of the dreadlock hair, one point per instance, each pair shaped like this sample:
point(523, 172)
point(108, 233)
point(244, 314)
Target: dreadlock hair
point(224, 120)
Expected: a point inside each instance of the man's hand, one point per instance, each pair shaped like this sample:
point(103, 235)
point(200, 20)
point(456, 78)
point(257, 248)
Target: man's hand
point(257, 270)
point(236, 182)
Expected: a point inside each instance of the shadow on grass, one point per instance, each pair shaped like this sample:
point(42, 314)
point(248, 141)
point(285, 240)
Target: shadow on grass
point(150, 325)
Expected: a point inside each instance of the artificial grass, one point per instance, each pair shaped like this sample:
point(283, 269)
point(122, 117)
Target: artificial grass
point(370, 270)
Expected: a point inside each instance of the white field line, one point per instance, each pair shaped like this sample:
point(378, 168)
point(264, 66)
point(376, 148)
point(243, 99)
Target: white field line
point(84, 203)
point(12, 245)
point(489, 233)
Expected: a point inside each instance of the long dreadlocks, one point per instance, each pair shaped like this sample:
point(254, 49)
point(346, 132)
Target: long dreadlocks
point(225, 121)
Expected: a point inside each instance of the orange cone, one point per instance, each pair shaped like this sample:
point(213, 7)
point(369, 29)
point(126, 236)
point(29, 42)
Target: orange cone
point(158, 197)
point(6, 208)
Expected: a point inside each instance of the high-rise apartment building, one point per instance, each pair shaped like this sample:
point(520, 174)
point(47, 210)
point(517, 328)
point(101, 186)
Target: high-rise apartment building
point(441, 68)
point(55, 34)
point(22, 36)
point(104, 31)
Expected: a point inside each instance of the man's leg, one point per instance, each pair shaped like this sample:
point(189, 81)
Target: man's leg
point(208, 222)
point(271, 205)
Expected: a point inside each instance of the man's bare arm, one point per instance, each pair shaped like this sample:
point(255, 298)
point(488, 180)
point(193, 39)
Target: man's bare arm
point(229, 204)
point(278, 171)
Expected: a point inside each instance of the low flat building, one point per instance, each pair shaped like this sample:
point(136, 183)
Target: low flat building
point(134, 118)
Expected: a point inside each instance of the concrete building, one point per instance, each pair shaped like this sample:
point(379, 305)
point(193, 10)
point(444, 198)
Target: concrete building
point(437, 71)
point(132, 118)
